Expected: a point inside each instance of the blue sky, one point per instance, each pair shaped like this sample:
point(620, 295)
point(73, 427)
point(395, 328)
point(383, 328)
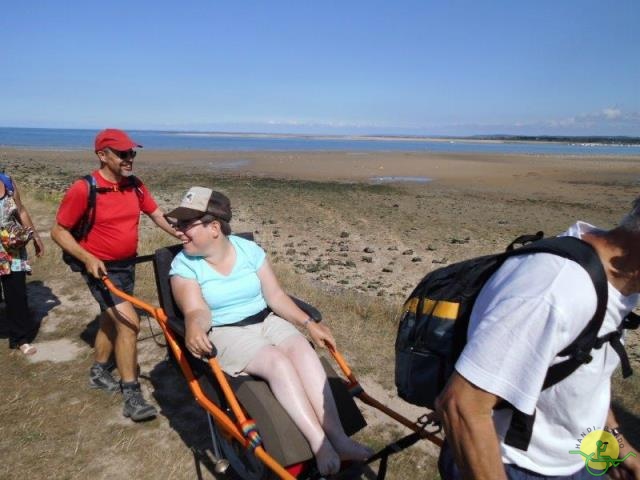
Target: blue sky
point(421, 67)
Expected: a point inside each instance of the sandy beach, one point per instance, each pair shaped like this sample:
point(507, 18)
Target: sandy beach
point(353, 166)
point(439, 207)
point(351, 232)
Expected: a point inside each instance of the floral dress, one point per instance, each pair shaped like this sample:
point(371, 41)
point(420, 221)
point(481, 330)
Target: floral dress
point(11, 259)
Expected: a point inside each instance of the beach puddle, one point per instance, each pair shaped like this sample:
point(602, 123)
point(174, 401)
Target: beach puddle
point(230, 165)
point(400, 179)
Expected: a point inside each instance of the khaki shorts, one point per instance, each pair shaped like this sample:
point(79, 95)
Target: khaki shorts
point(237, 346)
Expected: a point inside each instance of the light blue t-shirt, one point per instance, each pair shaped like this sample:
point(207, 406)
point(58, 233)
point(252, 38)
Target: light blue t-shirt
point(233, 297)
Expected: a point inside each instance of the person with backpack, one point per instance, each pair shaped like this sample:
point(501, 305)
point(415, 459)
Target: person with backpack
point(16, 230)
point(97, 228)
point(501, 416)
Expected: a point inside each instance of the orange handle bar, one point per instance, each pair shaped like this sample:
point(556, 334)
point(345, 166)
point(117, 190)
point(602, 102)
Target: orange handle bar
point(221, 418)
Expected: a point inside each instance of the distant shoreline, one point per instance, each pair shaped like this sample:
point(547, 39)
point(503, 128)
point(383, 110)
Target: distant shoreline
point(571, 140)
point(587, 140)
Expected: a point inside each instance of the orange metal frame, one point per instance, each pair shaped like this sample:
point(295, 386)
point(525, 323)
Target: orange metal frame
point(221, 417)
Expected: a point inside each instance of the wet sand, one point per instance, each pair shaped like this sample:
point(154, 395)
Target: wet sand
point(330, 215)
point(489, 170)
point(351, 166)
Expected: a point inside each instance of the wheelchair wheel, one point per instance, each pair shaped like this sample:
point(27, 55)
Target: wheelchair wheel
point(245, 465)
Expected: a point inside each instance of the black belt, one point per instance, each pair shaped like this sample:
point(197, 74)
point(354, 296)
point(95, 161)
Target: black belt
point(250, 320)
point(78, 266)
point(118, 264)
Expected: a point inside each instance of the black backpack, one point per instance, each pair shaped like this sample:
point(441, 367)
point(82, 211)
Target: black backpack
point(435, 318)
point(85, 224)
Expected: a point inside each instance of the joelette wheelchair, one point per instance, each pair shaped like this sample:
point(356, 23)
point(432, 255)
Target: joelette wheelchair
point(251, 433)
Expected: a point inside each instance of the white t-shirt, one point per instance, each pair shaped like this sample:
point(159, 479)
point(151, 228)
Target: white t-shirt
point(530, 309)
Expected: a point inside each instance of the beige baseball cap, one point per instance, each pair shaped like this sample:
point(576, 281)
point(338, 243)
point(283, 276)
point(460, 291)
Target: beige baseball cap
point(199, 201)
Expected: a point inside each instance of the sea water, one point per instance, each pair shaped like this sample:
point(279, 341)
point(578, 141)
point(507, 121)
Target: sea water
point(74, 139)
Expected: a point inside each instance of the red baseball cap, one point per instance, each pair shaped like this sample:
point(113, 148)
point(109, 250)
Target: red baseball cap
point(114, 138)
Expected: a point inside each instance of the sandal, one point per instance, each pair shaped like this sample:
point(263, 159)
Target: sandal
point(27, 349)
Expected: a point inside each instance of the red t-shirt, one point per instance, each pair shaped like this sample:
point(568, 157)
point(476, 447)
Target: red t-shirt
point(114, 235)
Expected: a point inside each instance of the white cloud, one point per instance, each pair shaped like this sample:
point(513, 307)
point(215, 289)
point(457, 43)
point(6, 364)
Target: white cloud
point(611, 113)
point(563, 122)
point(320, 123)
point(607, 121)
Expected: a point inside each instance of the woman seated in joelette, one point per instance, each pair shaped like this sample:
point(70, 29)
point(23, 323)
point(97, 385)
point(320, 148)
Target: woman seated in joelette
point(219, 280)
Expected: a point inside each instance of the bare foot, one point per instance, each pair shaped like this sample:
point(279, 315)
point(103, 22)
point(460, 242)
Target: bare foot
point(327, 459)
point(28, 349)
point(351, 450)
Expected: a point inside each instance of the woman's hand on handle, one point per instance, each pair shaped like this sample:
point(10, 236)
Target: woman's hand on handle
point(197, 341)
point(321, 335)
point(282, 305)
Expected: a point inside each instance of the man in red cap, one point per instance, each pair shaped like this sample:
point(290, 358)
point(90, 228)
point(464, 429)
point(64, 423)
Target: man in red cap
point(97, 227)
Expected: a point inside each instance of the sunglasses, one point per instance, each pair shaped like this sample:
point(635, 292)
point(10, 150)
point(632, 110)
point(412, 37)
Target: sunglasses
point(124, 155)
point(184, 225)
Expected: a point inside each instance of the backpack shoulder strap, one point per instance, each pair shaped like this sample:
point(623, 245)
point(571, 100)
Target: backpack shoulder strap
point(630, 322)
point(520, 430)
point(583, 254)
point(93, 185)
point(525, 239)
point(136, 183)
point(131, 182)
point(579, 350)
point(98, 189)
point(89, 216)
